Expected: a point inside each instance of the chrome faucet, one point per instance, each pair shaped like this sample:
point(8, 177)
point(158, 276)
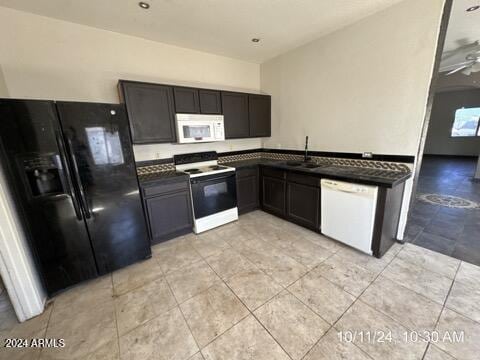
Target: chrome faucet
point(306, 157)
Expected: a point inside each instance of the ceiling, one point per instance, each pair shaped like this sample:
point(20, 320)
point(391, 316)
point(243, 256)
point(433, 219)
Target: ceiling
point(463, 29)
point(223, 27)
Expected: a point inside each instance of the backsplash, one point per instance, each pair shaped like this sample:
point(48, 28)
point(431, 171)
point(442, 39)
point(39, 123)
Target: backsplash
point(149, 152)
point(167, 164)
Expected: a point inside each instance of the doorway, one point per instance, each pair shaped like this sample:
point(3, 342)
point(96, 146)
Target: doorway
point(445, 211)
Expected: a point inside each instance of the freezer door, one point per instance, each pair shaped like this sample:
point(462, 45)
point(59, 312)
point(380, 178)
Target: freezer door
point(35, 166)
point(100, 149)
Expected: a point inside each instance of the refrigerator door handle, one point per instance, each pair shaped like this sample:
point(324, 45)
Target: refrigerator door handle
point(68, 176)
point(79, 181)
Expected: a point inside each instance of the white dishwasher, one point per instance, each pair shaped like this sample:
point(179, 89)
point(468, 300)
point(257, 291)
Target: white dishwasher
point(348, 213)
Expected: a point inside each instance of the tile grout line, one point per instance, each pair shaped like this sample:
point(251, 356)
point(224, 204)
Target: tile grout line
point(398, 284)
point(183, 316)
point(164, 275)
point(309, 271)
point(436, 253)
point(443, 308)
point(156, 315)
point(416, 292)
point(250, 313)
point(48, 324)
point(351, 305)
point(316, 266)
point(284, 288)
point(115, 295)
point(115, 314)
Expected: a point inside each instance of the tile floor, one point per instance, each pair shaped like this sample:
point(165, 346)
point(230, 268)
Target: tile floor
point(7, 315)
point(450, 231)
point(266, 289)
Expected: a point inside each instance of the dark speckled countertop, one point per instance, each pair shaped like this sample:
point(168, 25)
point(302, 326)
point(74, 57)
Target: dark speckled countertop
point(361, 175)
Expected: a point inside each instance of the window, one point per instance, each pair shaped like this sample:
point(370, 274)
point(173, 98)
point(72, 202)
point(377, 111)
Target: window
point(466, 122)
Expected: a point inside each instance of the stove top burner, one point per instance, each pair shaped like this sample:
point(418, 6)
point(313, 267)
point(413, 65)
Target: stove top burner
point(203, 168)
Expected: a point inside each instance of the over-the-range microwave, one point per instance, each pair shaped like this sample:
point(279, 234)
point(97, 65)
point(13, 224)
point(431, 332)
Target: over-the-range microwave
point(193, 128)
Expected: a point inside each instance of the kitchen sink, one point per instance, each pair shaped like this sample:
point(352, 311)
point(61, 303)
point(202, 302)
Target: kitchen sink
point(293, 163)
point(307, 165)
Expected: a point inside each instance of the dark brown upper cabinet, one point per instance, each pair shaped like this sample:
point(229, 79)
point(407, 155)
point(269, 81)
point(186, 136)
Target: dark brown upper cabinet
point(210, 102)
point(235, 112)
point(259, 111)
point(186, 100)
point(150, 110)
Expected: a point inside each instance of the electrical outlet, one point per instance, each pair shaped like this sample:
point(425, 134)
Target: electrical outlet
point(367, 155)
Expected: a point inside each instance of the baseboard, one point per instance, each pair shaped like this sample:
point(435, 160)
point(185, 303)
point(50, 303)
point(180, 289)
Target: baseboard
point(445, 156)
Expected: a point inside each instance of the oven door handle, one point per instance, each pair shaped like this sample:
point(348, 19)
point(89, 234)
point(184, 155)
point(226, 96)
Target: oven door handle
point(199, 180)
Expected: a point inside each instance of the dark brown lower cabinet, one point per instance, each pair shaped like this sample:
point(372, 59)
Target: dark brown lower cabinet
point(169, 212)
point(273, 195)
point(303, 205)
point(296, 197)
point(247, 189)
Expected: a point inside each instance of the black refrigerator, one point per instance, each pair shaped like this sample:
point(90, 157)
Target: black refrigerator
point(71, 171)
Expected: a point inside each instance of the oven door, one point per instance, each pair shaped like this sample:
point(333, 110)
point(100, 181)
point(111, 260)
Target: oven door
point(195, 131)
point(212, 194)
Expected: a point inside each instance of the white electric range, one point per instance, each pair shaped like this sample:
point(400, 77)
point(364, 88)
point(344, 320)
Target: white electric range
point(213, 188)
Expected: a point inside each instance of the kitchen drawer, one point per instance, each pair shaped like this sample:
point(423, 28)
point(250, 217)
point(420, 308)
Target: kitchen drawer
point(165, 187)
point(274, 173)
point(303, 179)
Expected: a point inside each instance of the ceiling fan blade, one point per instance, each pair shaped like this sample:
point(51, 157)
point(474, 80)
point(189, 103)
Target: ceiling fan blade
point(457, 70)
point(448, 68)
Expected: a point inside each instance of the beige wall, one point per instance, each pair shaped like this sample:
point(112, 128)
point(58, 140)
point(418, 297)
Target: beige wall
point(439, 141)
point(362, 88)
point(47, 58)
point(3, 84)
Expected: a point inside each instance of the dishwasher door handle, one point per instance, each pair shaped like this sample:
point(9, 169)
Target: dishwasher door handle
point(345, 187)
point(338, 187)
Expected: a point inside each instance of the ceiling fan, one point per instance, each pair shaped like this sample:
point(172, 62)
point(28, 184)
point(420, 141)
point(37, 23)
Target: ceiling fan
point(471, 64)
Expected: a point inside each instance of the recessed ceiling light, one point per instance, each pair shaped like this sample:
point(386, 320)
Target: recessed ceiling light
point(144, 5)
point(255, 40)
point(473, 8)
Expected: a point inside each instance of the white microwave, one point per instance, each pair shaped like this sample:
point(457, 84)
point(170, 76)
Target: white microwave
point(193, 128)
